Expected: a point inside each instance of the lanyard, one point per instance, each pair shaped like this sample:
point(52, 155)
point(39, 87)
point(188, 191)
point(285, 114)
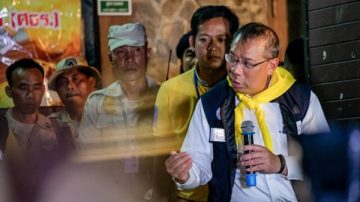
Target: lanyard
point(196, 86)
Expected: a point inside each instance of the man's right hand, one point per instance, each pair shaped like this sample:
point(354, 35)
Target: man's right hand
point(178, 166)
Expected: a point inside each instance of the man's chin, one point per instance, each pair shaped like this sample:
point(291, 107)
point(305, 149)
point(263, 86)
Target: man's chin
point(30, 110)
point(73, 100)
point(239, 88)
point(215, 65)
point(132, 77)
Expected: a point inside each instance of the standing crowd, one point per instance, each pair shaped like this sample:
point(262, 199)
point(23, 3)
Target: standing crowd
point(182, 141)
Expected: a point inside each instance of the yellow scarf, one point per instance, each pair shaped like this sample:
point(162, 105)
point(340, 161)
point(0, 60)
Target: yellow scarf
point(280, 82)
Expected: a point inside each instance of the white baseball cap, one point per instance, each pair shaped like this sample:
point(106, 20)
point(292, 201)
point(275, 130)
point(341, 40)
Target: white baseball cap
point(130, 34)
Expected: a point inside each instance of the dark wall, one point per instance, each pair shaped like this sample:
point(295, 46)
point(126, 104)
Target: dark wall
point(333, 52)
point(91, 32)
point(295, 19)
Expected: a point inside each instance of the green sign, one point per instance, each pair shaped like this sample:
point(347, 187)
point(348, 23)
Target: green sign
point(114, 7)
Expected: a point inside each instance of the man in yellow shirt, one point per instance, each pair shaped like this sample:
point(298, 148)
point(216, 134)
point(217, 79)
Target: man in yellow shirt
point(212, 28)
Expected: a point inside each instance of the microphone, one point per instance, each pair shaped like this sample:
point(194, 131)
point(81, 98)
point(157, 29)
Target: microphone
point(247, 128)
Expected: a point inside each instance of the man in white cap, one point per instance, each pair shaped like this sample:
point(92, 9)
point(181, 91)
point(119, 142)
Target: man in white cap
point(117, 120)
point(73, 80)
point(120, 102)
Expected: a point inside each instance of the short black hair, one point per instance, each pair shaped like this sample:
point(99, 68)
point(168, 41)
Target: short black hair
point(206, 13)
point(25, 63)
point(182, 45)
point(258, 30)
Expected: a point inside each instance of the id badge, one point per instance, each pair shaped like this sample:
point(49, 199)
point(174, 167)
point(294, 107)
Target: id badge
point(217, 135)
point(132, 165)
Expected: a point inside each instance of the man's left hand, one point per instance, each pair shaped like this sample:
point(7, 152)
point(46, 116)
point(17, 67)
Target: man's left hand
point(260, 159)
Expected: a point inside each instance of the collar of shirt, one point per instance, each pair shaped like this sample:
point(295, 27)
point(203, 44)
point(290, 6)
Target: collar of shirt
point(16, 126)
point(199, 80)
point(63, 116)
point(114, 89)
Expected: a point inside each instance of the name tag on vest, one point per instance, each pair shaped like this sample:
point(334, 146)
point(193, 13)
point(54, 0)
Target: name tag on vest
point(217, 135)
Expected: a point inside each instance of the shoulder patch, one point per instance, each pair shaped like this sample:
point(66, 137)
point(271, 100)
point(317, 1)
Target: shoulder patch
point(111, 105)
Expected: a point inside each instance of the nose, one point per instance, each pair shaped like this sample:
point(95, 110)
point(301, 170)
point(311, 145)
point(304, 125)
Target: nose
point(70, 85)
point(130, 53)
point(30, 93)
point(236, 69)
point(214, 44)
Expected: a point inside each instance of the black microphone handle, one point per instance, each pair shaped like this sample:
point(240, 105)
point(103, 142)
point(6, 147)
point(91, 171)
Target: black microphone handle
point(247, 128)
point(248, 140)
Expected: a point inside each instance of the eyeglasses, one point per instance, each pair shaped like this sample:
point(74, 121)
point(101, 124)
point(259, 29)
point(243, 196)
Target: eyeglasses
point(231, 59)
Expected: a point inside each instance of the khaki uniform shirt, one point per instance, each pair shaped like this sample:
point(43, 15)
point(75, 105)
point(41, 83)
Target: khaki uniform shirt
point(32, 140)
point(118, 132)
point(30, 153)
point(66, 129)
point(64, 120)
point(115, 121)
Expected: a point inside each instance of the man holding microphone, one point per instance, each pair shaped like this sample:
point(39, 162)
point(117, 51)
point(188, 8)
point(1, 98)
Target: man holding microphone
point(256, 89)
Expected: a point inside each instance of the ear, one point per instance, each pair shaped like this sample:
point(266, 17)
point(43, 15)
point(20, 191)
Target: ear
point(192, 41)
point(110, 57)
point(8, 91)
point(92, 82)
point(273, 64)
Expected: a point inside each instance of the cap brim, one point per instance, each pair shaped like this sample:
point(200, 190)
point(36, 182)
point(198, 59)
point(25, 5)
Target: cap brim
point(94, 72)
point(115, 43)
